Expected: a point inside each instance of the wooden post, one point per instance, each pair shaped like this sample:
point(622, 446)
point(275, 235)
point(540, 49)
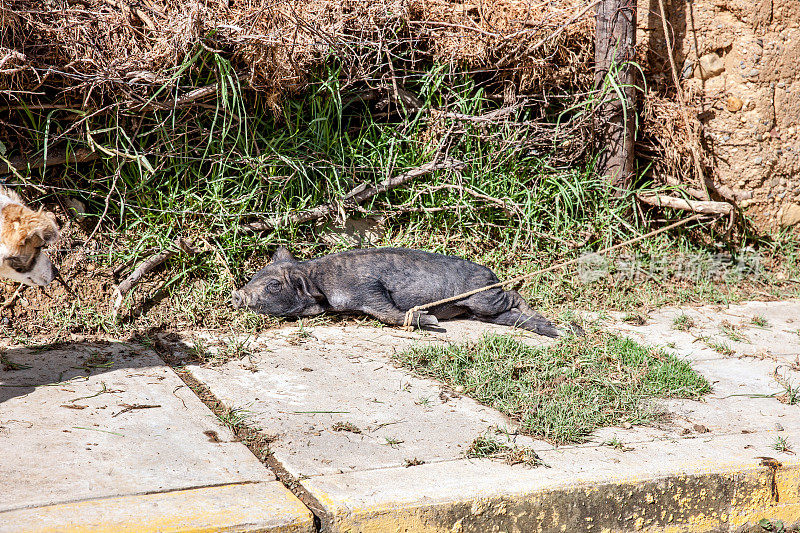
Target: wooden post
point(615, 118)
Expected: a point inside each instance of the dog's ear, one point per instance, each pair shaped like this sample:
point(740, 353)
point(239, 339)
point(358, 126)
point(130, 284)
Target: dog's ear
point(304, 286)
point(282, 254)
point(46, 228)
point(23, 226)
point(42, 229)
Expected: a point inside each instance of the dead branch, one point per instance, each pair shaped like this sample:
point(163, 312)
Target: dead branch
point(732, 195)
point(12, 56)
point(130, 407)
point(411, 102)
point(399, 210)
point(188, 98)
point(491, 116)
point(675, 182)
point(57, 157)
point(118, 271)
point(508, 207)
point(729, 194)
point(695, 206)
point(357, 196)
point(518, 49)
point(10, 301)
point(181, 245)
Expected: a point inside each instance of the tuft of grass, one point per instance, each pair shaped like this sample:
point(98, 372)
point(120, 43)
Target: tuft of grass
point(759, 321)
point(732, 332)
point(635, 318)
point(393, 442)
point(774, 527)
point(683, 322)
point(790, 394)
point(238, 420)
point(617, 444)
point(781, 444)
point(230, 348)
point(234, 347)
point(721, 347)
point(345, 426)
point(487, 446)
point(200, 350)
point(235, 418)
point(562, 392)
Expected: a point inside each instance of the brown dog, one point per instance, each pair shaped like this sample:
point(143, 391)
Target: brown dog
point(23, 234)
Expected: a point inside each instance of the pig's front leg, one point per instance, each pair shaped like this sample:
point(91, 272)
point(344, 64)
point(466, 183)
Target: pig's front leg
point(383, 308)
point(397, 317)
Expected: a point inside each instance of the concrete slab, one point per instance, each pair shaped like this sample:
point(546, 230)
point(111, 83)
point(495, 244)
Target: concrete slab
point(89, 422)
point(300, 383)
point(699, 470)
point(778, 340)
point(256, 507)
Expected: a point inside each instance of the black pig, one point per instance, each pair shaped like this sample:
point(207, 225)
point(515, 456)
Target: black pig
point(385, 283)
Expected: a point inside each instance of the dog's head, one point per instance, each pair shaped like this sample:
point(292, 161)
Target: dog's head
point(23, 234)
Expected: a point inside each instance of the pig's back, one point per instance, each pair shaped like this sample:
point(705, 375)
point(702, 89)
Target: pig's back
point(412, 277)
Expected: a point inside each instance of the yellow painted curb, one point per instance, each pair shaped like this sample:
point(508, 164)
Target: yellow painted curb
point(734, 500)
point(262, 507)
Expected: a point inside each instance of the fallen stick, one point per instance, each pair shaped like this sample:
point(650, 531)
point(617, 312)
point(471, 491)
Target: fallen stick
point(180, 245)
point(357, 196)
point(10, 56)
point(118, 271)
point(491, 116)
point(729, 194)
point(127, 10)
point(59, 157)
point(130, 407)
point(8, 303)
point(414, 104)
point(188, 98)
point(696, 206)
point(695, 193)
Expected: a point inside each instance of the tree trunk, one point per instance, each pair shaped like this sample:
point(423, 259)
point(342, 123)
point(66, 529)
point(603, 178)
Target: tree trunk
point(615, 77)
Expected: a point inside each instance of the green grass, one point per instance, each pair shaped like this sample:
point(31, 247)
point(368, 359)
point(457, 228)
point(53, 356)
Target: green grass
point(393, 442)
point(235, 417)
point(719, 346)
point(775, 527)
point(781, 444)
point(563, 392)
point(683, 322)
point(637, 319)
point(615, 443)
point(732, 332)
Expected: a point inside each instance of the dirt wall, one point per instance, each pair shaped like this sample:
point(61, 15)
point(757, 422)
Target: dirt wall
point(741, 63)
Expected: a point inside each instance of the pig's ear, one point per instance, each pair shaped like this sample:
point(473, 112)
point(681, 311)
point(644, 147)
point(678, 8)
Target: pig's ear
point(304, 286)
point(282, 254)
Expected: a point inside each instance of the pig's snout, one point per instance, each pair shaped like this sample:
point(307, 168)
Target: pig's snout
point(239, 299)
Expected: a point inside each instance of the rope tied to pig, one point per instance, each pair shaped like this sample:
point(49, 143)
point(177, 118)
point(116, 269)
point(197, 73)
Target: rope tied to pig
point(409, 319)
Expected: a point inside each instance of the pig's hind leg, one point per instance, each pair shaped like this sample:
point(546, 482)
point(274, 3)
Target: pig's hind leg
point(513, 317)
point(508, 308)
